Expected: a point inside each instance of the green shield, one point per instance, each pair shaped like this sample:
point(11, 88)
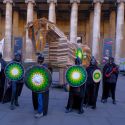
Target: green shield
point(38, 78)
point(97, 76)
point(76, 76)
point(14, 71)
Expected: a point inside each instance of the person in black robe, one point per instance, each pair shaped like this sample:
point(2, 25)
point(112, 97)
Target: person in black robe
point(40, 100)
point(16, 86)
point(76, 96)
point(2, 76)
point(110, 76)
point(92, 87)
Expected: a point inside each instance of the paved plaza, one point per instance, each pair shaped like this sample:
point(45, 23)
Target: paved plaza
point(105, 114)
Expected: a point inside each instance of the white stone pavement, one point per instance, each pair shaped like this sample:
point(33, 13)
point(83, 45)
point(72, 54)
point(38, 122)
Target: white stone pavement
point(105, 114)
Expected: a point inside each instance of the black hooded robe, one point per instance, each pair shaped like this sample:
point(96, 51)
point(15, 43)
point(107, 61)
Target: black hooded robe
point(8, 89)
point(76, 97)
point(2, 78)
point(92, 88)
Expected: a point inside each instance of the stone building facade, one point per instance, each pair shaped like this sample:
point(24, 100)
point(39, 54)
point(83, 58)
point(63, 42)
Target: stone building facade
point(90, 21)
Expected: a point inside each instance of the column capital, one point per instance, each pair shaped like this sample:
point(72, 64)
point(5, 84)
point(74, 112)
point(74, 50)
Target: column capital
point(8, 1)
point(95, 1)
point(16, 8)
point(118, 1)
point(91, 8)
point(49, 1)
point(113, 9)
point(27, 1)
point(72, 1)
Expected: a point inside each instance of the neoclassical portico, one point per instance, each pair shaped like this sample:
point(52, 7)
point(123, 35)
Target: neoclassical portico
point(90, 25)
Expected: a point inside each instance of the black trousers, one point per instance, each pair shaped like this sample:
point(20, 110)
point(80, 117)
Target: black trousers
point(1, 92)
point(35, 100)
point(2, 83)
point(111, 89)
point(105, 89)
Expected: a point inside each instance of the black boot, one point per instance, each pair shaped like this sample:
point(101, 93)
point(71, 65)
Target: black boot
point(93, 107)
point(104, 100)
point(114, 102)
point(81, 111)
point(16, 103)
point(68, 110)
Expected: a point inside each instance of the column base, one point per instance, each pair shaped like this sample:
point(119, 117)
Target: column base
point(29, 61)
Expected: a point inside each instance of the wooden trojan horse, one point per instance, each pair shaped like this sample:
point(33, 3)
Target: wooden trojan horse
point(54, 44)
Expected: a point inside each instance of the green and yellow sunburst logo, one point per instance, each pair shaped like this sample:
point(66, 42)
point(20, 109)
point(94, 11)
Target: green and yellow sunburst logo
point(97, 76)
point(76, 76)
point(14, 71)
point(38, 78)
point(79, 53)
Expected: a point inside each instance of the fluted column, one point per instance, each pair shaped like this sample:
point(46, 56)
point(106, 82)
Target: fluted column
point(96, 29)
point(112, 28)
point(0, 25)
point(74, 20)
point(29, 50)
point(15, 23)
point(8, 31)
point(91, 27)
point(35, 14)
point(52, 11)
point(119, 30)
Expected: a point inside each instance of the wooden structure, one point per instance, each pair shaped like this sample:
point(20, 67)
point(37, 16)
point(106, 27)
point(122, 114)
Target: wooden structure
point(54, 44)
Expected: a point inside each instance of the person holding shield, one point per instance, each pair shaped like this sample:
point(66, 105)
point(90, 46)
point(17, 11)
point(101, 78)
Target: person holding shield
point(14, 72)
point(110, 76)
point(16, 85)
point(92, 84)
point(76, 94)
point(40, 99)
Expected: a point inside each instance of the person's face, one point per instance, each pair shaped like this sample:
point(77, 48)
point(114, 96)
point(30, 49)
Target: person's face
point(93, 62)
point(40, 62)
point(18, 58)
point(111, 61)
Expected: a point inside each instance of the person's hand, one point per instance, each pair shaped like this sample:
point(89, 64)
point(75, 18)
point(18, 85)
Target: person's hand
point(114, 69)
point(107, 75)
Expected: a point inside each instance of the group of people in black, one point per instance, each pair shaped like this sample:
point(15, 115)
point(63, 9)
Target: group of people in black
point(85, 95)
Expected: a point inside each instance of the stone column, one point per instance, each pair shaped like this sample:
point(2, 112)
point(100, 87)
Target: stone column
point(0, 25)
point(8, 31)
point(52, 11)
point(29, 50)
point(87, 31)
point(35, 14)
point(15, 23)
point(91, 26)
point(112, 28)
point(96, 29)
point(74, 20)
point(119, 30)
